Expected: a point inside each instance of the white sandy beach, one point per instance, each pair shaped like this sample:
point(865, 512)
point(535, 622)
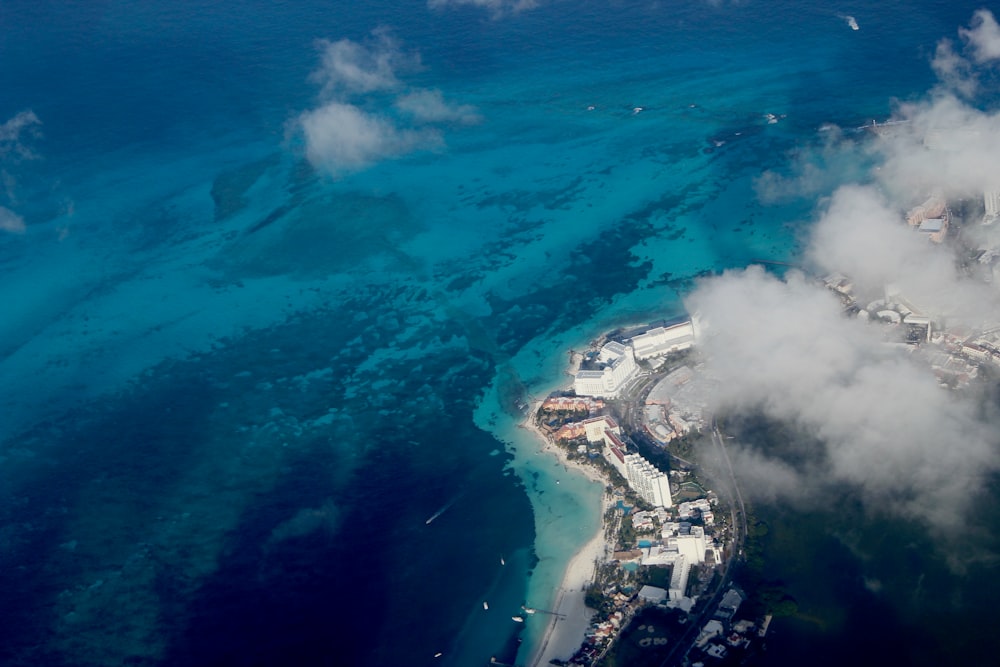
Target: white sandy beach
point(566, 628)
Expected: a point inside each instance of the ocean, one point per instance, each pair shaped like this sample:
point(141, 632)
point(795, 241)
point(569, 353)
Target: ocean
point(261, 410)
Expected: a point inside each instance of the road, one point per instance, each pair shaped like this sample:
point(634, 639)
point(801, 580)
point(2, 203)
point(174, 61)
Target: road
point(630, 406)
point(739, 528)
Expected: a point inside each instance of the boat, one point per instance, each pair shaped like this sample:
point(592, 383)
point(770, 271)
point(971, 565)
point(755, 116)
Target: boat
point(438, 654)
point(528, 610)
point(517, 619)
point(502, 561)
point(485, 606)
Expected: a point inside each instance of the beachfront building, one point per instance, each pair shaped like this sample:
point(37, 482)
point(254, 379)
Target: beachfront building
point(663, 340)
point(571, 404)
point(592, 429)
point(991, 201)
point(729, 605)
point(645, 479)
point(596, 427)
point(689, 542)
point(934, 228)
point(652, 594)
point(679, 579)
point(616, 367)
point(614, 452)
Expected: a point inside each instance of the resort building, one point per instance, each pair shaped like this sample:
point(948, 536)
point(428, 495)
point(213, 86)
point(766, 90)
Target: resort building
point(614, 452)
point(689, 543)
point(991, 200)
point(663, 340)
point(652, 594)
point(593, 429)
point(642, 476)
point(934, 207)
point(652, 485)
point(571, 404)
point(616, 368)
point(679, 578)
point(930, 218)
point(934, 228)
point(596, 427)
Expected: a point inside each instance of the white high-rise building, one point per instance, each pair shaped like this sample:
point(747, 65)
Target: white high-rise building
point(663, 340)
point(679, 578)
point(691, 545)
point(596, 426)
point(619, 368)
point(652, 485)
point(991, 199)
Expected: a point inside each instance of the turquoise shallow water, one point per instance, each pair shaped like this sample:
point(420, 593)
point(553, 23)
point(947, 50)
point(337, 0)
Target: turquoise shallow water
point(235, 389)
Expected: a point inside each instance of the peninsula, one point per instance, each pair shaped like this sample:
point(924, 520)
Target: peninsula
point(663, 557)
point(658, 585)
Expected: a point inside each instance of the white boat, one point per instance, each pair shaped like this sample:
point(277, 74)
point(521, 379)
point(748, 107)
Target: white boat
point(502, 561)
point(438, 654)
point(485, 606)
point(528, 610)
point(517, 619)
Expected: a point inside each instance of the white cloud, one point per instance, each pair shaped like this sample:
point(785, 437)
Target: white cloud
point(882, 424)
point(11, 222)
point(347, 67)
point(862, 236)
point(814, 171)
point(981, 42)
point(428, 106)
point(983, 37)
point(11, 131)
point(946, 145)
point(341, 137)
point(953, 71)
point(497, 7)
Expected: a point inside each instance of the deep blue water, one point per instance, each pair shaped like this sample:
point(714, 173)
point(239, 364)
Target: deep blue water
point(236, 388)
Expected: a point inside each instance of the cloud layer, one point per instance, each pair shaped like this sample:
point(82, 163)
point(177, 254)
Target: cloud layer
point(14, 132)
point(884, 425)
point(11, 222)
point(877, 420)
point(497, 7)
point(345, 134)
point(16, 135)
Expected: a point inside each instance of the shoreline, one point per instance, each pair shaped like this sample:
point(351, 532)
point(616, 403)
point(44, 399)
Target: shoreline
point(567, 626)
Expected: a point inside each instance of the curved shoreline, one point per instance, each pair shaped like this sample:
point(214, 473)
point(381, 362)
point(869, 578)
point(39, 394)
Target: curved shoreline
point(570, 617)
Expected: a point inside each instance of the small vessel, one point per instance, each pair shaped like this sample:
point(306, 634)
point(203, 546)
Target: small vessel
point(438, 654)
point(485, 606)
point(637, 110)
point(528, 610)
point(852, 22)
point(502, 561)
point(517, 619)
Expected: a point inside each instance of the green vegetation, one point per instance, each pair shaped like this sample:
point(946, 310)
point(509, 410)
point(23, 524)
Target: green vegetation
point(627, 535)
point(655, 575)
point(647, 640)
point(763, 596)
point(594, 597)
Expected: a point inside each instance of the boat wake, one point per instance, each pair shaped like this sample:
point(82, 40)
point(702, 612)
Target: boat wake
point(851, 22)
point(442, 510)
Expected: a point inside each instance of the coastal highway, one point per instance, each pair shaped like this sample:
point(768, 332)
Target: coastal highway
point(630, 417)
point(680, 650)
